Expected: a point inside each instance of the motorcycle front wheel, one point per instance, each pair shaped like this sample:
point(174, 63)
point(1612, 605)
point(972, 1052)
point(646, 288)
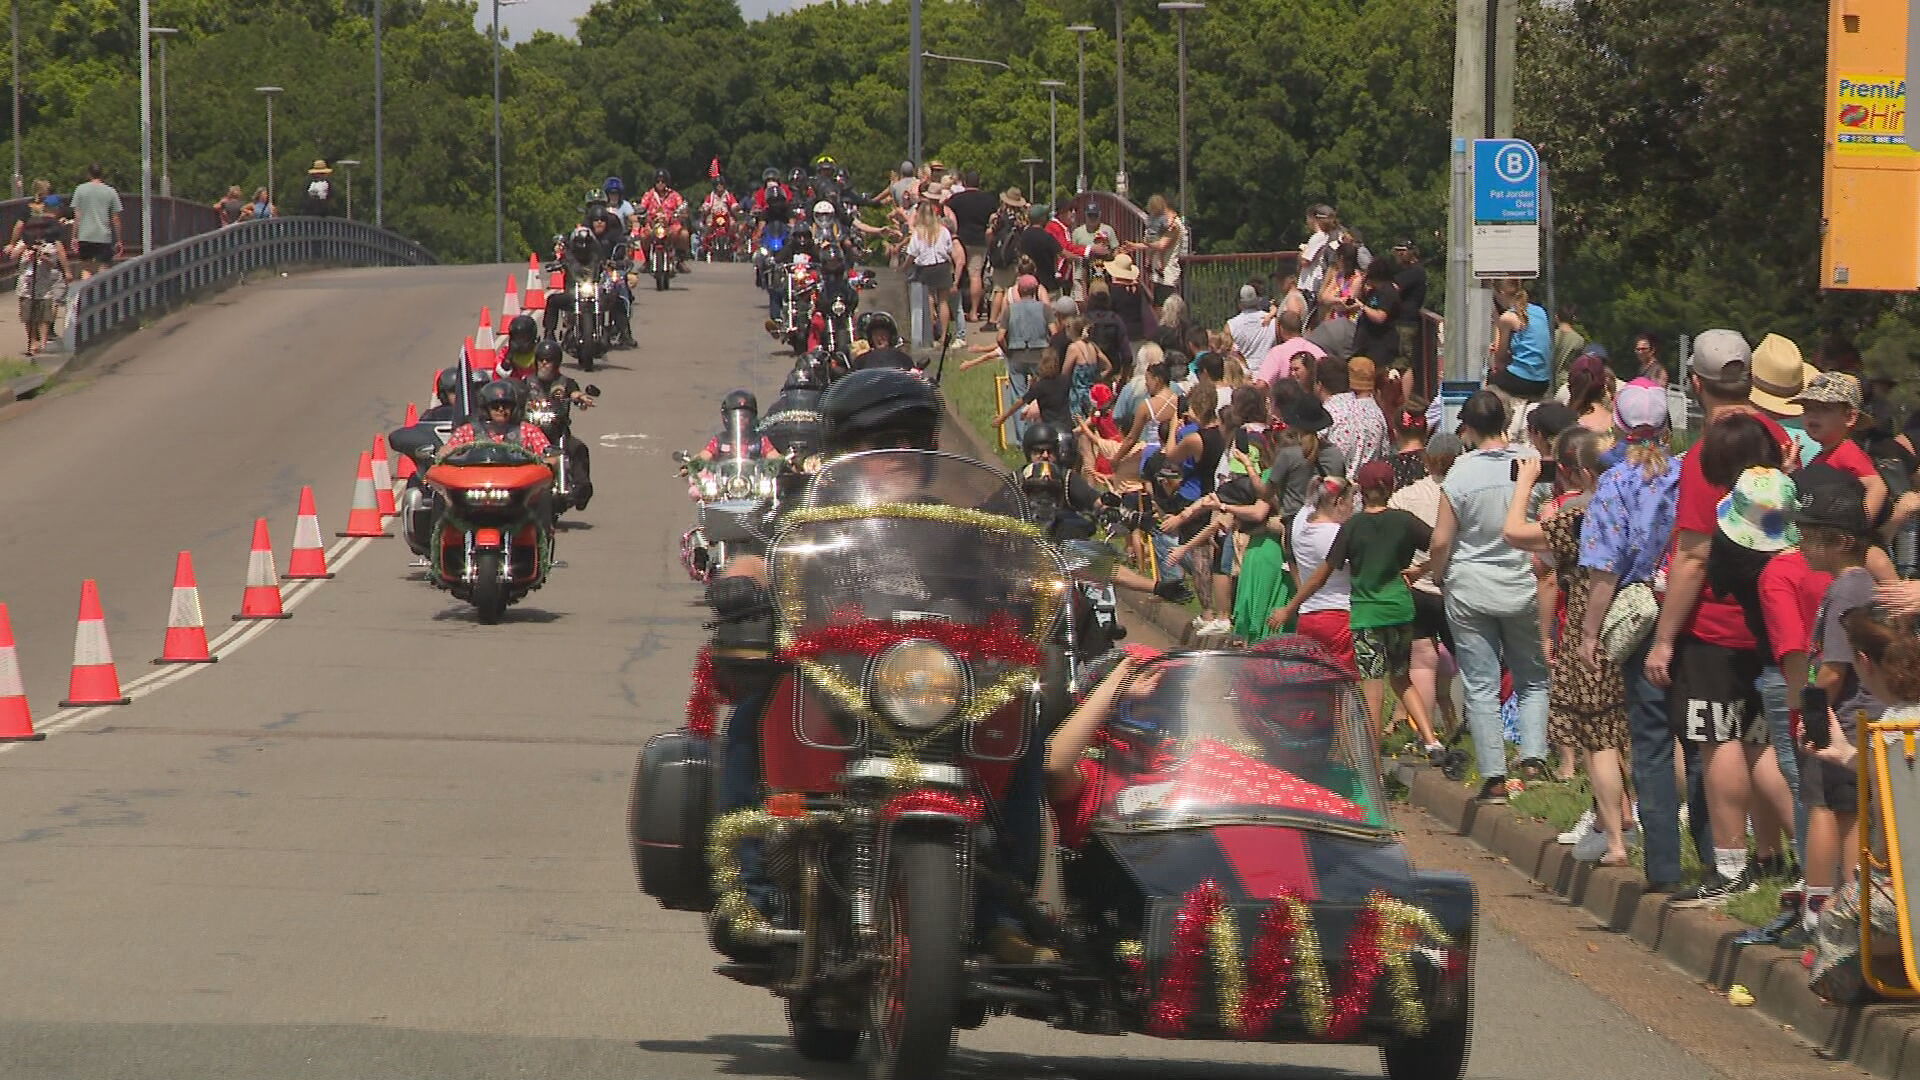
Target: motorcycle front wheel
point(916, 993)
point(660, 278)
point(489, 592)
point(816, 1041)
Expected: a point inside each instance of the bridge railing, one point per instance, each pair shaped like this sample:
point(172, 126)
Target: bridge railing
point(174, 220)
point(109, 300)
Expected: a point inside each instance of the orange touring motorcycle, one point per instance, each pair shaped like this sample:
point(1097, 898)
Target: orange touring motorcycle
point(1236, 876)
point(492, 542)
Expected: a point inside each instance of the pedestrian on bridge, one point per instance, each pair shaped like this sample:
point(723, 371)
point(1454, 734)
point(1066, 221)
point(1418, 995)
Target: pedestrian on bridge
point(96, 221)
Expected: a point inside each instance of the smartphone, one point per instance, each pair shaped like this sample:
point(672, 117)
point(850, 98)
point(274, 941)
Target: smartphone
point(1814, 727)
point(1549, 469)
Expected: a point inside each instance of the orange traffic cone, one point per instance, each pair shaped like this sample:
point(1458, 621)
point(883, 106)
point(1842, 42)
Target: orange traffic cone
point(261, 600)
point(383, 479)
point(364, 519)
point(483, 334)
point(309, 559)
point(534, 284)
point(186, 641)
point(403, 466)
point(535, 302)
point(16, 719)
point(556, 281)
point(510, 306)
point(94, 680)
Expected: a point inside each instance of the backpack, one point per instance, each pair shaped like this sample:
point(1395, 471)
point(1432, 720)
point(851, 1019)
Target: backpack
point(1895, 464)
point(1004, 250)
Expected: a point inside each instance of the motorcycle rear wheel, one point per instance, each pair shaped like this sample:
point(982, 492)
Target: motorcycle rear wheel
point(1438, 1054)
point(660, 279)
point(489, 592)
point(814, 1040)
point(916, 994)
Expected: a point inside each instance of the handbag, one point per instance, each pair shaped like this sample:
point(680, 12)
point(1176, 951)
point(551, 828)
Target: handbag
point(1630, 618)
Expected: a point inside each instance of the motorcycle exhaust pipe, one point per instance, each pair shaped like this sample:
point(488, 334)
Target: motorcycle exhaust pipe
point(1002, 994)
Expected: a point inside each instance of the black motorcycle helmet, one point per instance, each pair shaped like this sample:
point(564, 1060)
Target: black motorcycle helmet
point(882, 407)
point(661, 176)
point(802, 377)
point(522, 332)
point(833, 261)
point(797, 177)
point(446, 385)
point(1038, 437)
point(770, 175)
point(1042, 481)
point(548, 349)
point(739, 399)
point(614, 188)
point(583, 247)
point(879, 320)
point(497, 392)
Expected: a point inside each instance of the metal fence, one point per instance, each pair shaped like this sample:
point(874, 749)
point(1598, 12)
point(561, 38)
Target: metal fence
point(1129, 221)
point(1212, 283)
point(175, 220)
point(106, 301)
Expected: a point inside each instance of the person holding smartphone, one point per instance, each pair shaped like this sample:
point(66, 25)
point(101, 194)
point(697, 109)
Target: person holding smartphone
point(1376, 311)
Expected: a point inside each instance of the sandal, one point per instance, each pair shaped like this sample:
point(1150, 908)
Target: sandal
point(1493, 792)
point(1533, 770)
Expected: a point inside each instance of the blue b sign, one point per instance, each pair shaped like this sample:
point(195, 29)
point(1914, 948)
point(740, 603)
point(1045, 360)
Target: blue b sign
point(1506, 182)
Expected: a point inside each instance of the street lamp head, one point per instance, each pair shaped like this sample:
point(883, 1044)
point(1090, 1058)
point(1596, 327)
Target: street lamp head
point(1181, 5)
point(346, 162)
point(1081, 28)
point(1053, 84)
point(269, 90)
point(1033, 161)
point(163, 31)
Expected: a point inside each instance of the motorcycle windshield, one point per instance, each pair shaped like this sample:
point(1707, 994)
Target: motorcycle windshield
point(1275, 735)
point(898, 546)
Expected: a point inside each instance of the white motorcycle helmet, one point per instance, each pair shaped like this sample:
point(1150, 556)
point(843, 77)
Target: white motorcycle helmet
point(823, 209)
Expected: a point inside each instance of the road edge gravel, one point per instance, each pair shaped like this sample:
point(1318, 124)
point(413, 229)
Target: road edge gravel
point(1882, 1039)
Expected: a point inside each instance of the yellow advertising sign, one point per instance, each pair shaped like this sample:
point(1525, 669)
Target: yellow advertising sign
point(1870, 116)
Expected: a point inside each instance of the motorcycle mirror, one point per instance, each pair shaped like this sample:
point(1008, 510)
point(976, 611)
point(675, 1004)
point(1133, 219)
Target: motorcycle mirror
point(592, 390)
point(680, 456)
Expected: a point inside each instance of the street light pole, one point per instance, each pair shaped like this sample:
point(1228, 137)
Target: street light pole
point(146, 130)
point(1180, 9)
point(1030, 163)
point(270, 92)
point(19, 181)
point(1120, 97)
point(166, 173)
point(1080, 32)
point(1054, 86)
point(379, 136)
point(499, 200)
point(348, 165)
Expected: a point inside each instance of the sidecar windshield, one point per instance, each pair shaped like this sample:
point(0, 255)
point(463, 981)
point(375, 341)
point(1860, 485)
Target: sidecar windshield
point(1276, 735)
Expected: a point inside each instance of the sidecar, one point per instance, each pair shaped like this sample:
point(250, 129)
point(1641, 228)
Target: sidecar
point(1235, 875)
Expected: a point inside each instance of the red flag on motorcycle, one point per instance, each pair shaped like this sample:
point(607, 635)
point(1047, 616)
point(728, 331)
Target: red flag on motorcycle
point(713, 170)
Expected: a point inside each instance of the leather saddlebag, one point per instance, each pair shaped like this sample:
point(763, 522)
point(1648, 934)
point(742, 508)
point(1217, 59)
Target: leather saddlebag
point(668, 817)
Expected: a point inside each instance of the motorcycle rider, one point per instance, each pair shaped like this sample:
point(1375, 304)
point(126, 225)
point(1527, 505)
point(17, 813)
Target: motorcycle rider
point(719, 201)
point(504, 420)
point(739, 426)
point(1042, 442)
point(516, 353)
point(838, 302)
point(586, 250)
point(617, 202)
point(663, 205)
point(547, 382)
point(882, 336)
point(867, 410)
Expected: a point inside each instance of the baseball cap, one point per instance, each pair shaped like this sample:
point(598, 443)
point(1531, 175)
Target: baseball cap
point(1757, 512)
point(1375, 474)
point(1722, 358)
point(1831, 388)
point(1064, 305)
point(1092, 210)
point(1028, 285)
point(1830, 498)
point(1249, 297)
point(1640, 410)
point(1445, 444)
point(1360, 375)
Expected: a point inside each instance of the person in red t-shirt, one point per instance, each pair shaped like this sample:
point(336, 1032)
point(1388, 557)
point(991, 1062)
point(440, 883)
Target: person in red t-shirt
point(1833, 401)
point(1701, 634)
point(1076, 784)
point(663, 205)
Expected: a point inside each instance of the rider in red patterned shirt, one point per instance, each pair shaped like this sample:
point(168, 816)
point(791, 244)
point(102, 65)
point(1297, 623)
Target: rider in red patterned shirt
point(661, 204)
point(500, 402)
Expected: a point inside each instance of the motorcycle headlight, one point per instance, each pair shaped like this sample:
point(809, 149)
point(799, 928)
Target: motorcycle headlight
point(585, 290)
point(739, 487)
point(488, 496)
point(765, 486)
point(710, 486)
point(918, 684)
point(540, 415)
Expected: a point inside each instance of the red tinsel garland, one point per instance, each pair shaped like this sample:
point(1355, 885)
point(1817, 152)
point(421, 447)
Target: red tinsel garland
point(1173, 999)
point(1270, 968)
point(704, 699)
point(1364, 965)
point(1000, 639)
point(960, 804)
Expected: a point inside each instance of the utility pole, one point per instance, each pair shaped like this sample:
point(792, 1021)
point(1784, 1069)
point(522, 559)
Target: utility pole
point(1120, 97)
point(379, 141)
point(19, 181)
point(1080, 32)
point(914, 60)
point(1053, 88)
point(1483, 57)
point(146, 130)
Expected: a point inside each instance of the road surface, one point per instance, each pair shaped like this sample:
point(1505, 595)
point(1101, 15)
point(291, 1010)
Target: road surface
point(381, 840)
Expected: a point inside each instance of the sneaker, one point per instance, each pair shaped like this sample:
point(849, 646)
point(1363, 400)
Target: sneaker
point(1772, 933)
point(1580, 831)
point(1493, 792)
point(1436, 755)
point(1712, 891)
point(1215, 627)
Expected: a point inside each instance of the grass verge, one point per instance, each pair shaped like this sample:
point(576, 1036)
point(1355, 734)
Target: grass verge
point(13, 367)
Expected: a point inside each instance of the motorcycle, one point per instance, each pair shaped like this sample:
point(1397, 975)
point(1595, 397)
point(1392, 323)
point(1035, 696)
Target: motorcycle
point(553, 415)
point(766, 258)
point(911, 599)
point(1237, 878)
point(734, 497)
point(586, 333)
point(659, 254)
point(801, 327)
point(492, 542)
point(419, 504)
point(719, 241)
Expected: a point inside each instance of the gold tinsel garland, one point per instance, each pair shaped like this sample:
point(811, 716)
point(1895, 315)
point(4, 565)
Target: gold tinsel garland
point(731, 905)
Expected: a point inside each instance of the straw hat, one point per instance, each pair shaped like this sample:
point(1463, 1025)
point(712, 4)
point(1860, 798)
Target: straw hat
point(1779, 375)
point(1121, 269)
point(320, 168)
point(1013, 197)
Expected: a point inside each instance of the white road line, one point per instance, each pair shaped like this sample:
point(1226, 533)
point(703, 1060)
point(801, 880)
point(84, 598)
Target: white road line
point(228, 643)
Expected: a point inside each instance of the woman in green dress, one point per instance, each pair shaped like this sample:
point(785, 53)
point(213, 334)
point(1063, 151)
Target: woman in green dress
point(1301, 455)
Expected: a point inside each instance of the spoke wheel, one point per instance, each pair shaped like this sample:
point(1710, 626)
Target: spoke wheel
point(916, 993)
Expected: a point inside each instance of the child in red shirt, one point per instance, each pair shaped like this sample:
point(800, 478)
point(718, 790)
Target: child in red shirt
point(1833, 401)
